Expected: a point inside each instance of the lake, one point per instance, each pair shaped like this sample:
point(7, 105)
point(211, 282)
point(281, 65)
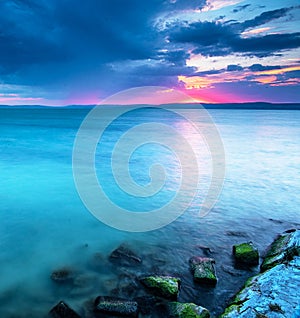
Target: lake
point(45, 225)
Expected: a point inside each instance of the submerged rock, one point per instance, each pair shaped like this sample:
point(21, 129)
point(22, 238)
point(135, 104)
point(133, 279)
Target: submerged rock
point(62, 310)
point(63, 275)
point(187, 310)
point(283, 249)
point(272, 293)
point(203, 270)
point(163, 286)
point(116, 306)
point(124, 256)
point(246, 253)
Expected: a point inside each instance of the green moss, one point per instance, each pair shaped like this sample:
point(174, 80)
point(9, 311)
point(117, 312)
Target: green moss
point(164, 286)
point(277, 252)
point(246, 253)
point(230, 309)
point(279, 245)
point(188, 310)
point(249, 281)
point(204, 272)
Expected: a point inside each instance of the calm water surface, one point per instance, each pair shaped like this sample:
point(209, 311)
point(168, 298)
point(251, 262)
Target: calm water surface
point(44, 225)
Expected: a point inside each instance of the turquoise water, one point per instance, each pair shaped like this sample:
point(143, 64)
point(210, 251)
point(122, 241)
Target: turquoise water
point(44, 224)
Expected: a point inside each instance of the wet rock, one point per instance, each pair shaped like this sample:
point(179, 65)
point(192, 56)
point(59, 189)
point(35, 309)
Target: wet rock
point(246, 253)
point(283, 249)
point(62, 310)
point(116, 306)
point(124, 256)
point(236, 233)
point(269, 292)
point(203, 270)
point(163, 286)
point(187, 310)
point(272, 293)
point(63, 275)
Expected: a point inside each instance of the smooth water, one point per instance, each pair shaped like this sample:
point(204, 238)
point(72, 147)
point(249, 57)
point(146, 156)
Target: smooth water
point(45, 226)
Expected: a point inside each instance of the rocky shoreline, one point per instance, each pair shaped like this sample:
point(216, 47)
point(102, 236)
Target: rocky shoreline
point(154, 293)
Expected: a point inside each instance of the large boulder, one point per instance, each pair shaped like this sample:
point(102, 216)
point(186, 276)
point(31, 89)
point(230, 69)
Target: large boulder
point(203, 269)
point(115, 306)
point(62, 310)
point(187, 310)
point(124, 256)
point(272, 293)
point(246, 253)
point(162, 286)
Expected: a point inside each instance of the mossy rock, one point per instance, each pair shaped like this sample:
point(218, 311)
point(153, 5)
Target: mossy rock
point(246, 253)
point(283, 249)
point(187, 310)
point(163, 286)
point(203, 270)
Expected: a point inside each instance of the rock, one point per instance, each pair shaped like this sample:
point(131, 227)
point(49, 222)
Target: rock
point(187, 310)
point(246, 253)
point(283, 249)
point(63, 275)
point(236, 233)
point(115, 306)
point(163, 286)
point(203, 270)
point(124, 256)
point(62, 310)
point(272, 293)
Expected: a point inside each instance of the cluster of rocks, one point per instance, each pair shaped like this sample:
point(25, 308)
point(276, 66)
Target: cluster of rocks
point(161, 291)
point(274, 292)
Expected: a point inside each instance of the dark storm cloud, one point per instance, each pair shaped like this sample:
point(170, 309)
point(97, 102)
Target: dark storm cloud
point(225, 38)
point(265, 17)
point(44, 42)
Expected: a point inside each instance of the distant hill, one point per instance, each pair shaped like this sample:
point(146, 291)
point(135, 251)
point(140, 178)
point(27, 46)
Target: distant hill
point(252, 105)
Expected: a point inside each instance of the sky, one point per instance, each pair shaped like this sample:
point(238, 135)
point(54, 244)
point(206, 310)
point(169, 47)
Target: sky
point(63, 52)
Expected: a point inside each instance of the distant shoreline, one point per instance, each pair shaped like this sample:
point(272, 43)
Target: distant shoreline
point(233, 106)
